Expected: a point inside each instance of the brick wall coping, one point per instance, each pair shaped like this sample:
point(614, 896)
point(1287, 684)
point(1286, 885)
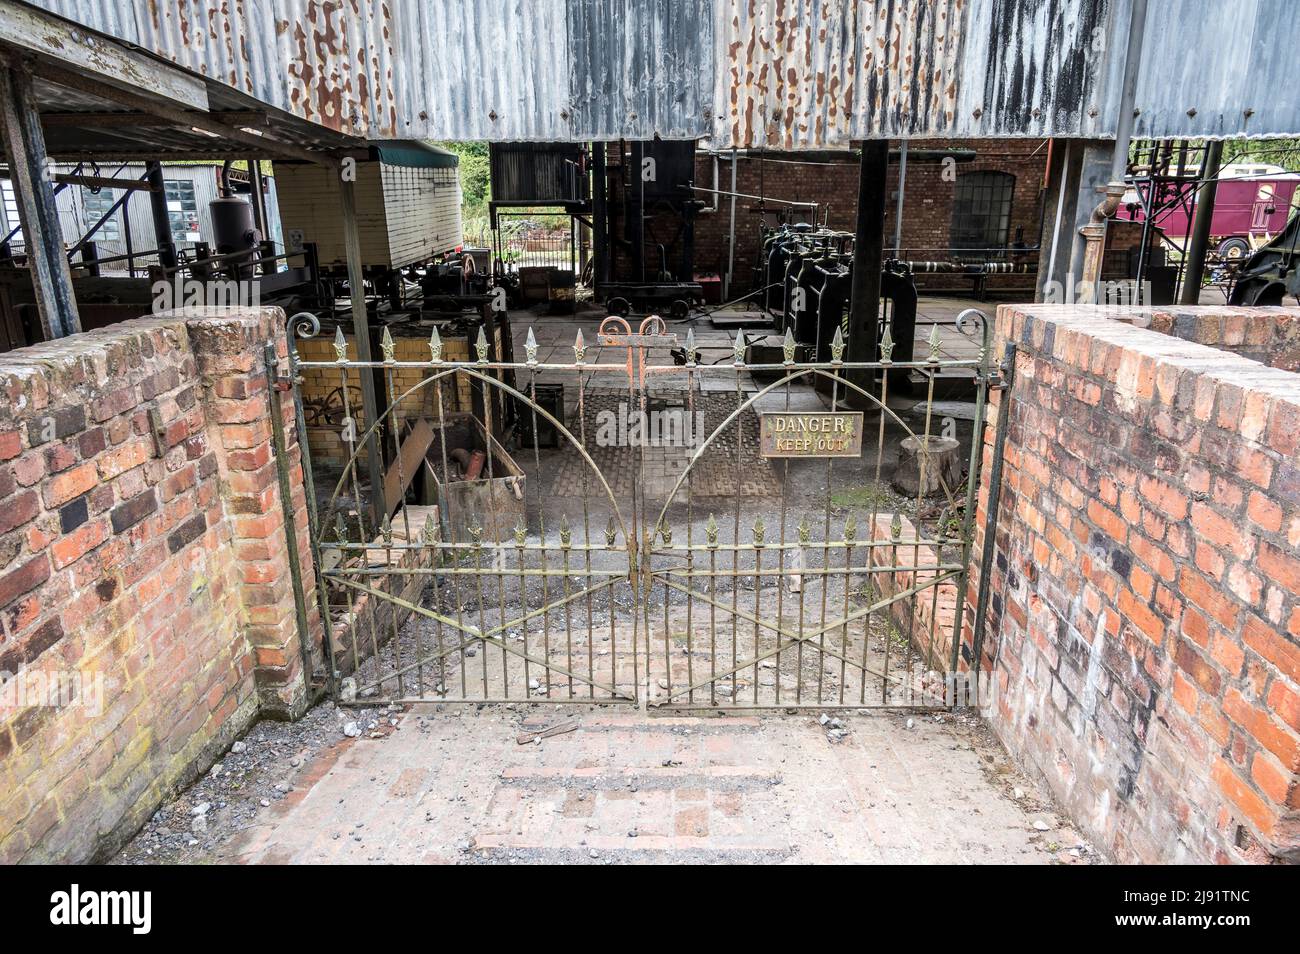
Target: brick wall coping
point(1070, 325)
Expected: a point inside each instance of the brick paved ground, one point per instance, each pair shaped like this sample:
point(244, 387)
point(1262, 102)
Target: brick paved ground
point(452, 785)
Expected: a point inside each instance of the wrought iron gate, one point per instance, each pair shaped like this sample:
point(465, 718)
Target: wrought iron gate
point(677, 532)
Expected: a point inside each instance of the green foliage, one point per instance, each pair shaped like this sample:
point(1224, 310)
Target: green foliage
point(475, 182)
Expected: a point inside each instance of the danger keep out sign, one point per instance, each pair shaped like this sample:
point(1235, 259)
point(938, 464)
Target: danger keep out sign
point(811, 434)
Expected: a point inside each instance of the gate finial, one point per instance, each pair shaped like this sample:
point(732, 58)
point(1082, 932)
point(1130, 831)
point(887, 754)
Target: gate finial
point(887, 346)
point(340, 345)
point(435, 346)
point(530, 346)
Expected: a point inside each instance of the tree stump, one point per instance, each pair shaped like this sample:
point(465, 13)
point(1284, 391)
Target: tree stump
point(942, 466)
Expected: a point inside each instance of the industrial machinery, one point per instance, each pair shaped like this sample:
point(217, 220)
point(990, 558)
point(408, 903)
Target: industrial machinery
point(1272, 272)
point(804, 278)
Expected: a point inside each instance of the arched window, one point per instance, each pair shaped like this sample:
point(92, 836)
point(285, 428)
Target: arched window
point(981, 213)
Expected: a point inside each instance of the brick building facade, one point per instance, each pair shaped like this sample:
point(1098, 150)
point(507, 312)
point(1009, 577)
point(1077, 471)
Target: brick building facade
point(935, 171)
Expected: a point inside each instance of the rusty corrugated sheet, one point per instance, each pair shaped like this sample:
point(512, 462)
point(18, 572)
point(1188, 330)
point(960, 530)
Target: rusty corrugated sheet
point(326, 61)
point(567, 70)
point(813, 73)
point(786, 74)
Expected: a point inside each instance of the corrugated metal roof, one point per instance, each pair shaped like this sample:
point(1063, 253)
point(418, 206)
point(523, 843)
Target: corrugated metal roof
point(327, 62)
point(1232, 62)
point(747, 73)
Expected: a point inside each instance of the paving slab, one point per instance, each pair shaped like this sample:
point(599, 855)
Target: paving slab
point(451, 784)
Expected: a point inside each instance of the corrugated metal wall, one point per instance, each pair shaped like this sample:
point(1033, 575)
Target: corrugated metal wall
point(747, 73)
point(75, 219)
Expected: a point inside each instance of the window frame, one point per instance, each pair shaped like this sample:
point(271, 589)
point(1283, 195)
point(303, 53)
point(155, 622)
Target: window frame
point(980, 225)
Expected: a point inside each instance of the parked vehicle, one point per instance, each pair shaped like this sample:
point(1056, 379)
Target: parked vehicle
point(1251, 207)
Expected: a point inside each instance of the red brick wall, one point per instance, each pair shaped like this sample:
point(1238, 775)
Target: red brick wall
point(1144, 630)
point(141, 552)
point(927, 217)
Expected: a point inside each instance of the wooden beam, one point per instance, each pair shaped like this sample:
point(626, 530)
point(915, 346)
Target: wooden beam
point(43, 34)
point(407, 465)
point(204, 122)
point(136, 118)
point(24, 145)
point(361, 332)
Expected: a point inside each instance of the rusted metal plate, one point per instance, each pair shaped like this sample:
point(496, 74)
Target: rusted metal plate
point(773, 74)
point(811, 434)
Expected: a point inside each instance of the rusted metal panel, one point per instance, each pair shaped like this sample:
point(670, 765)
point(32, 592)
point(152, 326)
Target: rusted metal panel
point(566, 70)
point(485, 69)
point(640, 68)
point(783, 74)
point(814, 73)
point(328, 62)
point(1039, 68)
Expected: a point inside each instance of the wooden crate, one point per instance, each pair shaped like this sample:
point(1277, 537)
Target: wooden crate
point(493, 504)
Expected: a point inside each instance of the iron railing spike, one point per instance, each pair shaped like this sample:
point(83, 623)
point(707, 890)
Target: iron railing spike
point(530, 346)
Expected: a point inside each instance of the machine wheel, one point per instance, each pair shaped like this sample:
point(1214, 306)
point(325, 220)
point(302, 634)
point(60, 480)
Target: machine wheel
point(1257, 292)
point(1233, 249)
point(619, 306)
point(679, 308)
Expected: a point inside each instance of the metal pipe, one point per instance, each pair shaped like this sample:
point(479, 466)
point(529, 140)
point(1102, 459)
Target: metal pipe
point(1198, 244)
point(361, 331)
point(731, 233)
point(1128, 92)
point(994, 505)
point(760, 198)
point(1060, 208)
point(902, 188)
point(162, 225)
point(599, 213)
point(1094, 232)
